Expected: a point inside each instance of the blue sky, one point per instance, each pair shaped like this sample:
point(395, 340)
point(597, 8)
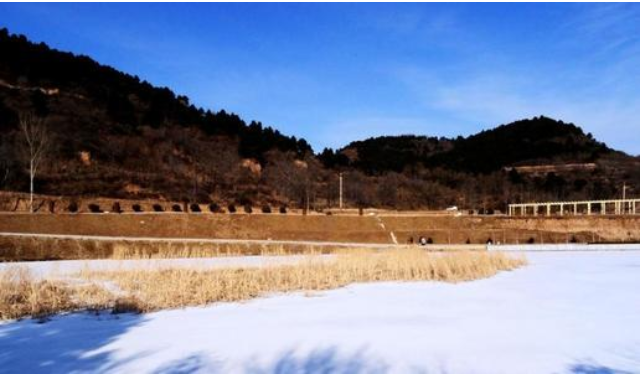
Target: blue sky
point(333, 73)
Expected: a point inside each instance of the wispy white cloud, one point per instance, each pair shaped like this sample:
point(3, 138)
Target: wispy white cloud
point(336, 73)
point(588, 80)
point(489, 98)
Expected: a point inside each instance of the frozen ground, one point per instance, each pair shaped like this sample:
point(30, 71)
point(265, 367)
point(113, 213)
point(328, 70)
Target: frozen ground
point(572, 312)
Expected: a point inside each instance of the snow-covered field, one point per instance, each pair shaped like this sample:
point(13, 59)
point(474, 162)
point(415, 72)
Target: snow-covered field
point(572, 312)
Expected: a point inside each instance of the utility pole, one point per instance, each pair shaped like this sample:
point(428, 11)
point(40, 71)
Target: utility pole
point(340, 191)
point(307, 200)
point(307, 195)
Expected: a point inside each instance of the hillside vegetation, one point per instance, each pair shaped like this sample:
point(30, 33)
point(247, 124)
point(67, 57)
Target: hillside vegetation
point(116, 135)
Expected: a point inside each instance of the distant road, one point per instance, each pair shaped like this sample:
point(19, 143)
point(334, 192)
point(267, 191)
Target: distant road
point(243, 241)
point(200, 240)
point(506, 247)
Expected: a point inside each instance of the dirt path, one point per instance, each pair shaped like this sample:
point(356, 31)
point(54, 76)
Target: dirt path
point(391, 233)
point(198, 240)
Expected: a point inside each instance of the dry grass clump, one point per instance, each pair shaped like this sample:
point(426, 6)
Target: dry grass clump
point(37, 249)
point(21, 295)
point(15, 249)
point(148, 290)
point(167, 250)
point(171, 288)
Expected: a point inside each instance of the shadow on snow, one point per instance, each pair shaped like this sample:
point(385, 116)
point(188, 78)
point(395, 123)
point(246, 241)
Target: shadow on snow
point(65, 343)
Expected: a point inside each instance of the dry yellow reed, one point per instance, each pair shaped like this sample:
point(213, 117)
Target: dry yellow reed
point(166, 250)
point(149, 290)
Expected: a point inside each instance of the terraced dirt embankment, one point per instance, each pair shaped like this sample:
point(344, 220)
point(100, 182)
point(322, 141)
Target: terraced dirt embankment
point(480, 229)
point(238, 226)
point(264, 232)
point(365, 229)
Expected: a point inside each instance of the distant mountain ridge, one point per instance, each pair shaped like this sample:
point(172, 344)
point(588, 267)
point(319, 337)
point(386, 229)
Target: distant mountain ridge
point(119, 136)
point(537, 140)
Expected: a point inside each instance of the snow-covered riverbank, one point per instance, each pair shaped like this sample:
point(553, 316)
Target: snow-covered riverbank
point(565, 312)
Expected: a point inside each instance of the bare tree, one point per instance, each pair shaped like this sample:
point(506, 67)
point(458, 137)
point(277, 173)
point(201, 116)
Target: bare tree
point(37, 143)
point(293, 178)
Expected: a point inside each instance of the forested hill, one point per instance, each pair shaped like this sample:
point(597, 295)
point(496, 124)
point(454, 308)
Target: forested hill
point(119, 102)
point(539, 140)
point(115, 135)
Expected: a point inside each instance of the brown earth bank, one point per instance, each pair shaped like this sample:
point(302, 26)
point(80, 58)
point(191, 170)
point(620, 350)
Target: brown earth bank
point(222, 226)
point(15, 249)
point(141, 218)
point(365, 229)
point(383, 229)
point(480, 229)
